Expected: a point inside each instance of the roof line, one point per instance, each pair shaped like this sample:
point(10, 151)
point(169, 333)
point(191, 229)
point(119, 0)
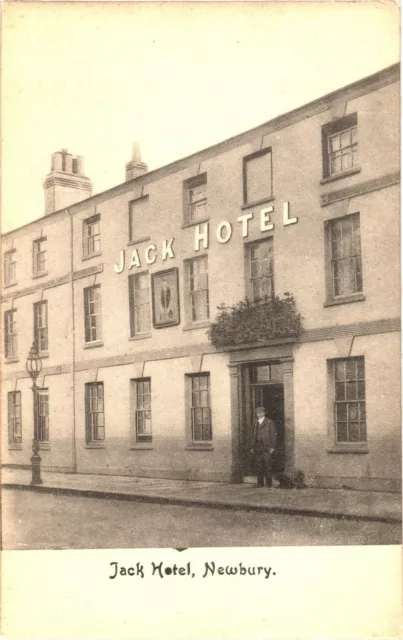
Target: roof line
point(377, 80)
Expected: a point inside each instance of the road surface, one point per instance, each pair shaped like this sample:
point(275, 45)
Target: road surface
point(45, 521)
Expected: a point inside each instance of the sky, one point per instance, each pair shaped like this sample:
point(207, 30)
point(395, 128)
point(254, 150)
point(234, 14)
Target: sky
point(177, 77)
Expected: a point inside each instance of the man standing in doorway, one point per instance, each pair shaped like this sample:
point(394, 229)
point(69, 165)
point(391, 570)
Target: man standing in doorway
point(264, 444)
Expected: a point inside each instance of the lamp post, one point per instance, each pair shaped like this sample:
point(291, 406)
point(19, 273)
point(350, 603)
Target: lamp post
point(34, 366)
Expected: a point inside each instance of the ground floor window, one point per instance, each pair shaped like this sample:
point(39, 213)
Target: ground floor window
point(14, 417)
point(142, 411)
point(349, 400)
point(94, 412)
point(200, 407)
point(43, 415)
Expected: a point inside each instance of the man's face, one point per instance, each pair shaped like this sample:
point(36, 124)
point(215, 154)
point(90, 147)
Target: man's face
point(260, 414)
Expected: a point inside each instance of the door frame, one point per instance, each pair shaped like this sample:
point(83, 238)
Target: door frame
point(239, 360)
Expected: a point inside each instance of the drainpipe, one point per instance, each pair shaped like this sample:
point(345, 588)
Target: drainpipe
point(73, 328)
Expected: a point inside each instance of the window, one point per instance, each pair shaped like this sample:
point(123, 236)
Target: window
point(10, 333)
point(139, 218)
point(260, 270)
point(94, 412)
point(195, 198)
point(257, 177)
point(197, 274)
point(43, 414)
point(92, 236)
point(41, 325)
point(14, 417)
point(345, 273)
point(92, 311)
point(340, 146)
point(139, 299)
point(10, 267)
point(143, 424)
point(349, 400)
point(200, 407)
point(39, 256)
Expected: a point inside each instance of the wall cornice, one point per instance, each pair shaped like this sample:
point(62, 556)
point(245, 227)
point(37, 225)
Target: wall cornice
point(360, 189)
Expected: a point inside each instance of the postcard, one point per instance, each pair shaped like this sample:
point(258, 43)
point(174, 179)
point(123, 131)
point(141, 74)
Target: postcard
point(201, 320)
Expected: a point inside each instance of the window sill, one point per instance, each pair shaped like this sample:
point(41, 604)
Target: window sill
point(44, 446)
point(197, 325)
point(10, 284)
point(39, 275)
point(248, 205)
point(342, 174)
point(93, 255)
point(95, 445)
point(43, 354)
point(141, 336)
point(11, 360)
point(145, 446)
point(15, 447)
point(93, 345)
point(192, 223)
point(356, 297)
point(139, 240)
point(199, 446)
point(348, 448)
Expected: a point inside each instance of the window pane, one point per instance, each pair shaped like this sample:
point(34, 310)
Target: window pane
point(341, 432)
point(340, 391)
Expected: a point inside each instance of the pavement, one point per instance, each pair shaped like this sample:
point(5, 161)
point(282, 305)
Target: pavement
point(373, 506)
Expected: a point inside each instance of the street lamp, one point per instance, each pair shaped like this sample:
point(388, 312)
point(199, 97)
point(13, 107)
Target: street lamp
point(34, 366)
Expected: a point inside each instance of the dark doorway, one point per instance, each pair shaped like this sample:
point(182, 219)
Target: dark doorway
point(269, 395)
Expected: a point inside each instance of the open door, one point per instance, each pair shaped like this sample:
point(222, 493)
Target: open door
point(269, 395)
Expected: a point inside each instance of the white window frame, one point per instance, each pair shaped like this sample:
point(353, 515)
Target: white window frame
point(258, 280)
point(91, 240)
point(10, 334)
point(10, 267)
point(39, 256)
point(195, 292)
point(42, 399)
point(139, 304)
point(41, 331)
point(14, 418)
point(92, 314)
point(94, 417)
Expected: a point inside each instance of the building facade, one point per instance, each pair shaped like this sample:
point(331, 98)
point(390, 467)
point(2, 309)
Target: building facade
point(153, 362)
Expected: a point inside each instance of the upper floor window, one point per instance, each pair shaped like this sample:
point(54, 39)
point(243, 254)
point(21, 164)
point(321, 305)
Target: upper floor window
point(349, 400)
point(10, 333)
point(94, 412)
point(200, 407)
point(41, 326)
point(139, 219)
point(195, 198)
point(43, 414)
point(139, 300)
point(260, 270)
point(344, 250)
point(14, 417)
point(92, 236)
point(257, 177)
point(39, 256)
point(92, 313)
point(10, 267)
point(340, 146)
point(197, 289)
point(143, 423)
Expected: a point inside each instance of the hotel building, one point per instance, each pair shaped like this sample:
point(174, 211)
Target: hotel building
point(263, 270)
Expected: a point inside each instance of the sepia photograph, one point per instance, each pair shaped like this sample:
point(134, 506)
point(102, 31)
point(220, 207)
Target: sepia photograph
point(200, 284)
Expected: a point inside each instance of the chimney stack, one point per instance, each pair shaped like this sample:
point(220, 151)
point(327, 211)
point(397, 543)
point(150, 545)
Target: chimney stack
point(135, 167)
point(66, 182)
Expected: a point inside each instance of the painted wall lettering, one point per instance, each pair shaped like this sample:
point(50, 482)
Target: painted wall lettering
point(223, 233)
